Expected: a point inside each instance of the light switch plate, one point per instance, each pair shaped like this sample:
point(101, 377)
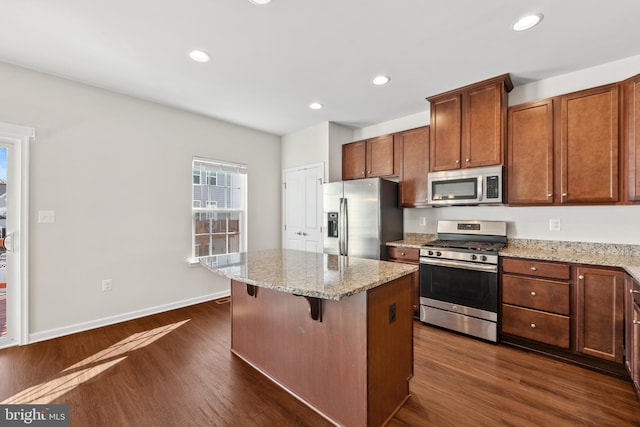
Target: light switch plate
point(423, 221)
point(46, 217)
point(554, 224)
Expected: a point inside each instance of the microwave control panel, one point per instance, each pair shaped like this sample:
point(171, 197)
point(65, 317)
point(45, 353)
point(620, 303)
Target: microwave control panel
point(493, 187)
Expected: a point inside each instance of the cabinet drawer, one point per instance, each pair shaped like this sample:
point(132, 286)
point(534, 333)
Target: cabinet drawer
point(539, 294)
point(536, 325)
point(536, 268)
point(410, 255)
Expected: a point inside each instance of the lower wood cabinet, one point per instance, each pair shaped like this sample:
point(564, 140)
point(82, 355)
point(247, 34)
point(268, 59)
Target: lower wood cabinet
point(536, 301)
point(632, 330)
point(408, 256)
point(599, 313)
point(568, 310)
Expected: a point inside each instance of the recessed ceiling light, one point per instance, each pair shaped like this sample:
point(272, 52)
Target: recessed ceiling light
point(260, 1)
point(315, 106)
point(527, 22)
point(199, 56)
point(380, 80)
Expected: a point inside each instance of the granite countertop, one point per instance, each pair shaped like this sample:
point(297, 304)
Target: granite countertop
point(309, 274)
point(623, 256)
point(412, 240)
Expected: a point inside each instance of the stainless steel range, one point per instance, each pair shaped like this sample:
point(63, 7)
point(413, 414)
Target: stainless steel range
point(459, 277)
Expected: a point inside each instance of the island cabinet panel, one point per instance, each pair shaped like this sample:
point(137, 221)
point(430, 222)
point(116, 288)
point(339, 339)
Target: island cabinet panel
point(632, 136)
point(589, 145)
point(412, 148)
point(530, 167)
point(600, 313)
point(352, 367)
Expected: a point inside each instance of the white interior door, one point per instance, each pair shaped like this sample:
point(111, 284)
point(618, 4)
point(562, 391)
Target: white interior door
point(302, 208)
point(14, 143)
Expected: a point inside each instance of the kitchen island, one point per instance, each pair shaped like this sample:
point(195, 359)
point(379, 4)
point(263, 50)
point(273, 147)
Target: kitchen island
point(334, 331)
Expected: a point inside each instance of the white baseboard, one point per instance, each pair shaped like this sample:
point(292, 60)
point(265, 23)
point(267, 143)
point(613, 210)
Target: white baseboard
point(105, 321)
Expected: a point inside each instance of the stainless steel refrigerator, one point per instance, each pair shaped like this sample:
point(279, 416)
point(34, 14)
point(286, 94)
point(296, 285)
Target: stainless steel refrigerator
point(360, 217)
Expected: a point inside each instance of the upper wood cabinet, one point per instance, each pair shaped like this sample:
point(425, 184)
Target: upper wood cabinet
point(412, 152)
point(530, 153)
point(368, 158)
point(599, 313)
point(632, 137)
point(354, 162)
point(589, 145)
point(565, 150)
point(468, 125)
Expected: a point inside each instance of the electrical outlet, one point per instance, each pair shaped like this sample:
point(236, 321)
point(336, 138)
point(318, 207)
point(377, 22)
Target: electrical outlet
point(46, 217)
point(392, 312)
point(554, 225)
point(107, 285)
point(423, 221)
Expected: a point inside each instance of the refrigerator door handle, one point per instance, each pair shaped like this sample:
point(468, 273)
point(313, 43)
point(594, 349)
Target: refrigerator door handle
point(341, 227)
point(345, 235)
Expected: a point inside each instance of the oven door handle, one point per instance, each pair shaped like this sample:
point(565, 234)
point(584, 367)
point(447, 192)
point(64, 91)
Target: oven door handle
point(458, 264)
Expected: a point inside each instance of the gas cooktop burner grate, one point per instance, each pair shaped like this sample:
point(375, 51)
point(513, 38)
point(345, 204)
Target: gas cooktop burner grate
point(465, 244)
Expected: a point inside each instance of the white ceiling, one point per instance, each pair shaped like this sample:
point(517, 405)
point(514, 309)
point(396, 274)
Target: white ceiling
point(269, 62)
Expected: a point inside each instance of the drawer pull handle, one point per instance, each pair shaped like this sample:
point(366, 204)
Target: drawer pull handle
point(636, 322)
point(402, 253)
point(534, 269)
point(533, 325)
point(633, 291)
point(533, 293)
point(581, 277)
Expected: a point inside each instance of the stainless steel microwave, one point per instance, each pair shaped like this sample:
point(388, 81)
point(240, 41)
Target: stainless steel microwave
point(473, 186)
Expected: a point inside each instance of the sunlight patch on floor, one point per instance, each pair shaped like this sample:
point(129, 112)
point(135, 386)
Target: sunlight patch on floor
point(89, 368)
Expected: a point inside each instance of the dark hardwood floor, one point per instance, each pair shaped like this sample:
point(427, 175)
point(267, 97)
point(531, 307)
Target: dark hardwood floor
point(175, 369)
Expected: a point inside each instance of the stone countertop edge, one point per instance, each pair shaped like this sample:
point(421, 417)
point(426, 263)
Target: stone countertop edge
point(308, 275)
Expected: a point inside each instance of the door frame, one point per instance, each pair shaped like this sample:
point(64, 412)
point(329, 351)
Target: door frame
point(18, 138)
point(283, 200)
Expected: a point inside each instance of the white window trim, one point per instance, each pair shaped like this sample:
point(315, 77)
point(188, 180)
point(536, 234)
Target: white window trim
point(194, 261)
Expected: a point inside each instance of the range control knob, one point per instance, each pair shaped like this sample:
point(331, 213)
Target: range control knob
point(438, 253)
point(483, 257)
point(430, 252)
point(474, 257)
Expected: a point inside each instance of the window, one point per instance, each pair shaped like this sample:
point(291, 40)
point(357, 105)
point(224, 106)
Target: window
point(219, 207)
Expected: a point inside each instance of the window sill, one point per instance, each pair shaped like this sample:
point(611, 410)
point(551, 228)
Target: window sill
point(193, 263)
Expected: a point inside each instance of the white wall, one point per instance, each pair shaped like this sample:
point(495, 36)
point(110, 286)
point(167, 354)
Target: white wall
point(396, 125)
point(117, 172)
point(305, 147)
point(316, 144)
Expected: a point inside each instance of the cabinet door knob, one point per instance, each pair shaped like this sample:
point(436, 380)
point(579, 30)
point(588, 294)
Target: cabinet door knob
point(402, 253)
point(533, 325)
point(468, 160)
point(564, 194)
point(549, 195)
point(533, 294)
point(534, 269)
point(457, 161)
point(581, 277)
point(369, 171)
